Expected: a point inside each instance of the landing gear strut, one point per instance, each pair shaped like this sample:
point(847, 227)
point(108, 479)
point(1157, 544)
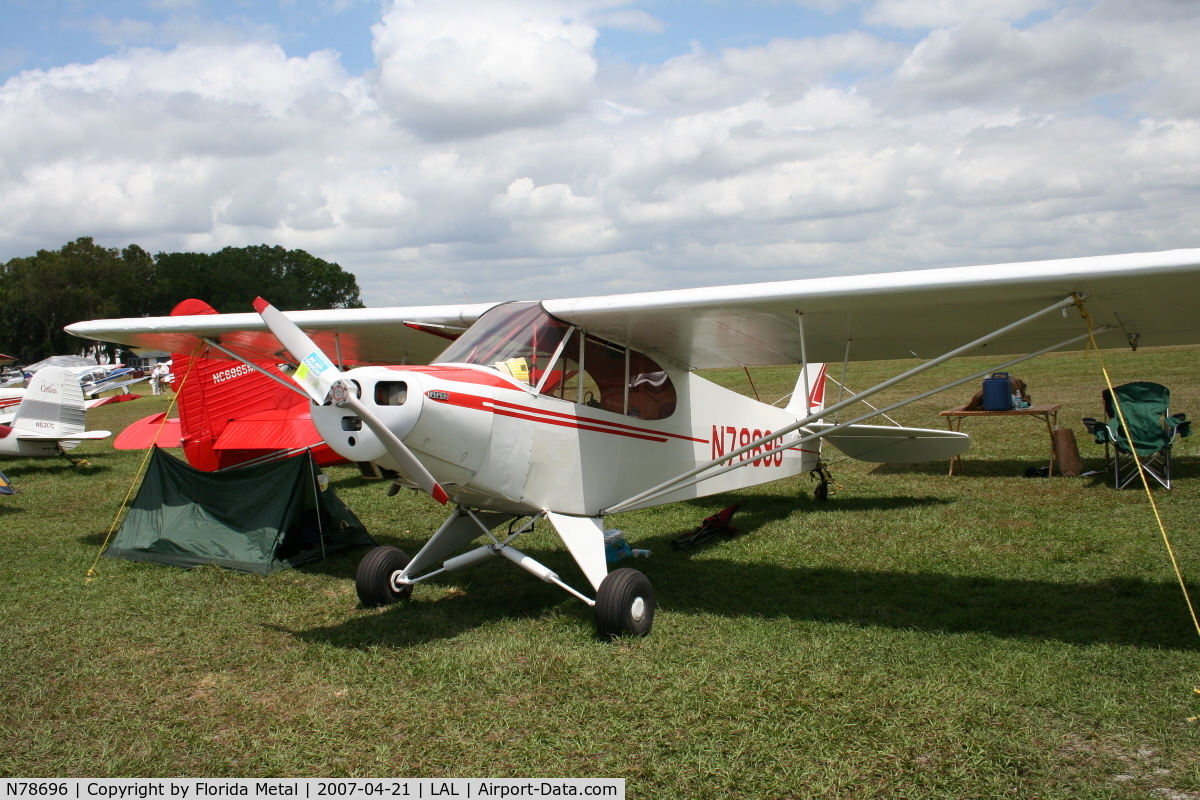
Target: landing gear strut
point(821, 492)
point(624, 604)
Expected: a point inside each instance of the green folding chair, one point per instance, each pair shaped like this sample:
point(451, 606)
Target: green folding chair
point(1152, 430)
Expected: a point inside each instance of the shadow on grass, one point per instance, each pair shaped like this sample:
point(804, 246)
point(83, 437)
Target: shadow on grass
point(488, 594)
point(758, 510)
point(339, 564)
point(56, 468)
point(1116, 611)
point(1181, 468)
point(979, 468)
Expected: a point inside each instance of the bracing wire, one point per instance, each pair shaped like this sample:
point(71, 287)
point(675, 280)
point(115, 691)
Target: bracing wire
point(1141, 472)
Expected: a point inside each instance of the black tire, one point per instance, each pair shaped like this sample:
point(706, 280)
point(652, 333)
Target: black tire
point(625, 604)
point(373, 581)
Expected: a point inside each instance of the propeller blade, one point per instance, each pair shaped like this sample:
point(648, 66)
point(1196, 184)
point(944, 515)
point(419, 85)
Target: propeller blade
point(318, 375)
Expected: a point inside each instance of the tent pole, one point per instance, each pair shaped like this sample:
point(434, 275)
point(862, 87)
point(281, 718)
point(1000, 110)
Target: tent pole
point(312, 466)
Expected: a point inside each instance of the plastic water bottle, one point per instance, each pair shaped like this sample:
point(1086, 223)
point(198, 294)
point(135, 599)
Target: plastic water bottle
point(615, 546)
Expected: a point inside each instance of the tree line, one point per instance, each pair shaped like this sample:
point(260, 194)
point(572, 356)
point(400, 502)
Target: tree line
point(41, 294)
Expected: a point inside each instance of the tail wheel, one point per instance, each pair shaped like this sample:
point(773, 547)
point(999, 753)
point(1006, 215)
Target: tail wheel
point(625, 604)
point(373, 581)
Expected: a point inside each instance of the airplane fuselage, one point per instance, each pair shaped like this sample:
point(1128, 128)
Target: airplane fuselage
point(494, 443)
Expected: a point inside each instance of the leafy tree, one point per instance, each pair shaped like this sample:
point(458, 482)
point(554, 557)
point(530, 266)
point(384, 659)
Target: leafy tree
point(230, 279)
point(41, 294)
point(45, 292)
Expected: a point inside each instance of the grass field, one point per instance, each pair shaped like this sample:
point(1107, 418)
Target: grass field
point(918, 635)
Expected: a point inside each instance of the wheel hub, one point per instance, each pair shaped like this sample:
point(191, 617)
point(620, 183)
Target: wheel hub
point(637, 609)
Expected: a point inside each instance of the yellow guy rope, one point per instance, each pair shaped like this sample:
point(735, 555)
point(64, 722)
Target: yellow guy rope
point(1141, 472)
point(137, 477)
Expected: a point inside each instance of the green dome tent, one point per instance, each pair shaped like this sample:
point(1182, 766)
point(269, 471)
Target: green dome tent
point(256, 519)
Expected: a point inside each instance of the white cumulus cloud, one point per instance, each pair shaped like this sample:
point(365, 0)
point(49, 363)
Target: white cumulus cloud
point(484, 66)
point(491, 153)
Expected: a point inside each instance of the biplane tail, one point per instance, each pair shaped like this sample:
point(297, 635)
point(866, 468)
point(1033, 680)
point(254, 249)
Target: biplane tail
point(231, 414)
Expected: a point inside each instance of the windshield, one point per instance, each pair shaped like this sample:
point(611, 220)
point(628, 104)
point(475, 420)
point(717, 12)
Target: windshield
point(519, 339)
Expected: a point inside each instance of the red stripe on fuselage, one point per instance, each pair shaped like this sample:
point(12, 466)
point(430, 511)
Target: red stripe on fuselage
point(461, 375)
point(560, 419)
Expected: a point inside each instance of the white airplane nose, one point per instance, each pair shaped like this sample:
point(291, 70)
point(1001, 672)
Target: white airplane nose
point(394, 396)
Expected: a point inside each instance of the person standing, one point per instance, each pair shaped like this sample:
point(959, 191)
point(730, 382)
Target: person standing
point(156, 377)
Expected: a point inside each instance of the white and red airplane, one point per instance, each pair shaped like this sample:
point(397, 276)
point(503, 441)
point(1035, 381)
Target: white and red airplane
point(49, 418)
point(572, 410)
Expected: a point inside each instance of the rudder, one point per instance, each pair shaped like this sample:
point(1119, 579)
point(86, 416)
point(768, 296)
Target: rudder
point(53, 405)
point(815, 374)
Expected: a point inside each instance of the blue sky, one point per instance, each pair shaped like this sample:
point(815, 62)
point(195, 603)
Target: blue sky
point(39, 35)
point(556, 148)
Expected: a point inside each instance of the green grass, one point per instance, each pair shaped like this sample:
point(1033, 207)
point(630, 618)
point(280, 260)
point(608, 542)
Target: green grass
point(916, 636)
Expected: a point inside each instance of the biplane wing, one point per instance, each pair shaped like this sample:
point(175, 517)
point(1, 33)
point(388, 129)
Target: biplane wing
point(1149, 297)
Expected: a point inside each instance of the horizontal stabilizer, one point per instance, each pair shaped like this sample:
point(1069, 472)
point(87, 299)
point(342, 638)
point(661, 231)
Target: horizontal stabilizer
point(269, 430)
point(148, 432)
point(33, 436)
point(888, 444)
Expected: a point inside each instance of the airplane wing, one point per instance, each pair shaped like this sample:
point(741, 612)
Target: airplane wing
point(921, 313)
point(411, 335)
point(1150, 297)
point(111, 387)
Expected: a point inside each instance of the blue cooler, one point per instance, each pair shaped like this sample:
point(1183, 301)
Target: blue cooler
point(997, 393)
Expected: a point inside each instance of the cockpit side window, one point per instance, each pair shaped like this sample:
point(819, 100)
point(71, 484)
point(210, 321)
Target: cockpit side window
point(608, 371)
point(521, 340)
point(651, 393)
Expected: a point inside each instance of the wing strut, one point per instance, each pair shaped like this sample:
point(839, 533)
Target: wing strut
point(679, 481)
point(842, 384)
point(804, 363)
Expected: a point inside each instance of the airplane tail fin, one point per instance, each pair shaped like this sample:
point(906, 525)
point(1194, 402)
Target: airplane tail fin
point(53, 405)
point(213, 391)
point(811, 377)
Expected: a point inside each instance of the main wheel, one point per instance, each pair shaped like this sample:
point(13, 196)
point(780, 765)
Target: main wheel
point(373, 581)
point(625, 604)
